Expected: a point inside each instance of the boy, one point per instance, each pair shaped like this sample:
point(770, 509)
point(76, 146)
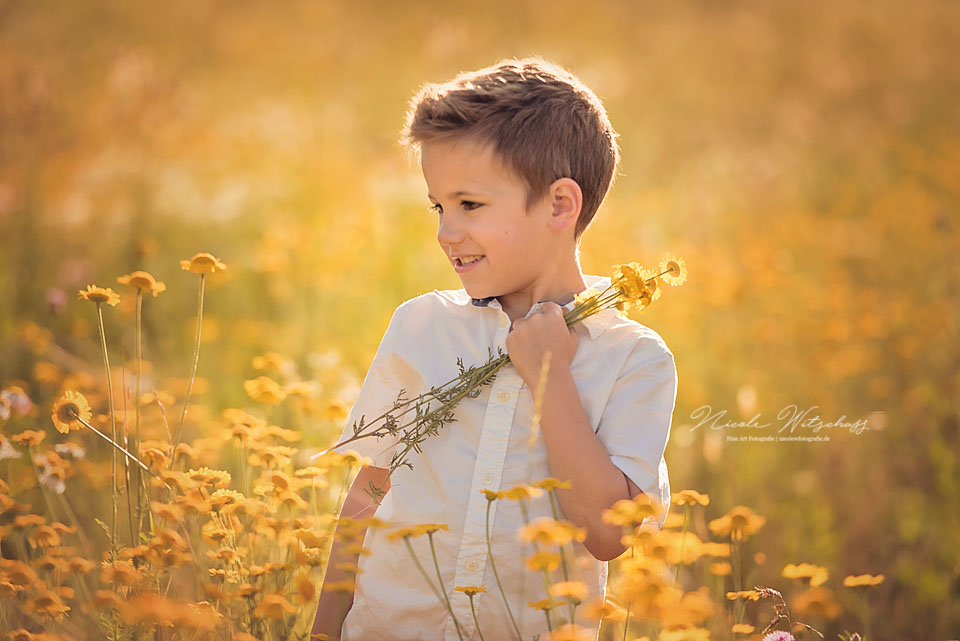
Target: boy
point(517, 158)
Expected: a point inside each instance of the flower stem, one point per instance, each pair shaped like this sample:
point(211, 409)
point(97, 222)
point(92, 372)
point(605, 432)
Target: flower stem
point(443, 590)
point(140, 479)
point(496, 576)
point(475, 622)
point(441, 597)
point(113, 432)
point(196, 360)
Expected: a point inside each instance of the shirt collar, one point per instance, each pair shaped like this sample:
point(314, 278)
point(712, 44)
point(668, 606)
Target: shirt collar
point(595, 323)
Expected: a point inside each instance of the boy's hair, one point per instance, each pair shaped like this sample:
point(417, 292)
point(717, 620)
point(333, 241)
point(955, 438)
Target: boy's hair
point(542, 121)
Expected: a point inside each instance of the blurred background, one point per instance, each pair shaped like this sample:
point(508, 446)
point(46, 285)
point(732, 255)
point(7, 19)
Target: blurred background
point(804, 160)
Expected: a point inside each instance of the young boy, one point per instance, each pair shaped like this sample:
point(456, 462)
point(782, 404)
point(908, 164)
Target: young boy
point(517, 158)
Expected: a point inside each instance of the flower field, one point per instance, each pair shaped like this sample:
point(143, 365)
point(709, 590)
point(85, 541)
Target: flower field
point(205, 223)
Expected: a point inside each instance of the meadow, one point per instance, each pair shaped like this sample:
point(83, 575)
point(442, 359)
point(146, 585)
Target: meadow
point(803, 161)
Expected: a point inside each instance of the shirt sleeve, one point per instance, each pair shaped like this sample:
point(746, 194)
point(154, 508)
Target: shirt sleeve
point(635, 423)
point(389, 373)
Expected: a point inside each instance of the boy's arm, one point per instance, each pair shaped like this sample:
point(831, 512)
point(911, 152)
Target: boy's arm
point(574, 451)
point(333, 606)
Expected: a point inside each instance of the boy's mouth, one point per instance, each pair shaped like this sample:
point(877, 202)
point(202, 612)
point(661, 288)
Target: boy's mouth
point(467, 263)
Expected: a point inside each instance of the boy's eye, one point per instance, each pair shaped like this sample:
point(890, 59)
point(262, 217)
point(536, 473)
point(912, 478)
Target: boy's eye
point(469, 205)
point(437, 208)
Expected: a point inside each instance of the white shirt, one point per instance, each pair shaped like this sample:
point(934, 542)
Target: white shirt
point(627, 382)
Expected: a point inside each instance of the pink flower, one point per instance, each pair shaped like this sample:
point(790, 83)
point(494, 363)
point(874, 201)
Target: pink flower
point(779, 635)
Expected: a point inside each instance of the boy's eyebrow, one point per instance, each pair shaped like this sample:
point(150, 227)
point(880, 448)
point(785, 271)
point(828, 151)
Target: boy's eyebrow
point(455, 194)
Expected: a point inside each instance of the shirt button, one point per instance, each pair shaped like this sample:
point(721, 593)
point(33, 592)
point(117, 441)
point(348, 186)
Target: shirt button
point(472, 564)
point(487, 479)
point(503, 396)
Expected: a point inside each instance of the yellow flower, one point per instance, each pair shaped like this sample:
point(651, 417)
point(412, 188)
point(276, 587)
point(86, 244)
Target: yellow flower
point(202, 263)
point(546, 530)
point(273, 361)
point(742, 628)
point(587, 301)
point(570, 632)
point(627, 512)
point(629, 281)
point(491, 495)
point(543, 560)
point(817, 574)
point(402, 533)
point(522, 492)
point(862, 580)
point(66, 411)
point(551, 483)
point(817, 602)
point(28, 438)
point(144, 281)
point(690, 497)
point(751, 595)
point(98, 295)
point(685, 634)
point(739, 523)
point(274, 606)
point(676, 270)
point(471, 590)
point(574, 589)
point(264, 390)
point(545, 604)
point(429, 528)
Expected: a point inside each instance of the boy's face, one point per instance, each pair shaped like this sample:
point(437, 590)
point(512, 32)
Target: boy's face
point(495, 246)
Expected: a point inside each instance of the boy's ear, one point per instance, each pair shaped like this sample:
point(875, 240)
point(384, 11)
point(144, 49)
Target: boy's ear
point(566, 199)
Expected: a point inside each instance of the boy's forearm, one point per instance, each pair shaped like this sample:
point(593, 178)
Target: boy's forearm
point(333, 605)
point(576, 454)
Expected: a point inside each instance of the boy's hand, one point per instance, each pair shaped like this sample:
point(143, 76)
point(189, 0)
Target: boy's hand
point(530, 338)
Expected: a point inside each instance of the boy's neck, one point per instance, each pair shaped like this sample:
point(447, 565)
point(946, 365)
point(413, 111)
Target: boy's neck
point(560, 289)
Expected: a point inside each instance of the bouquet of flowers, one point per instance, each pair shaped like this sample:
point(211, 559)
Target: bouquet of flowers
point(411, 421)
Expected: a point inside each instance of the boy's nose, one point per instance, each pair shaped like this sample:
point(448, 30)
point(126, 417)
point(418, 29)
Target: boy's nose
point(449, 234)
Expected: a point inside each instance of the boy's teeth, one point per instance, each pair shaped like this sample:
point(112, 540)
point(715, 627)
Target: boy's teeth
point(467, 261)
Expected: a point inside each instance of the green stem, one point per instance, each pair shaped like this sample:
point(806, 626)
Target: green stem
point(113, 432)
point(196, 361)
point(473, 610)
point(563, 556)
point(443, 590)
point(140, 479)
point(496, 575)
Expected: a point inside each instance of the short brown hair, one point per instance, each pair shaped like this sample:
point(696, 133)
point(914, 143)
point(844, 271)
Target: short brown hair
point(542, 121)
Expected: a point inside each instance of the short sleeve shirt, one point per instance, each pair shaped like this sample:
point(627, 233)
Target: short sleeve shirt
point(627, 382)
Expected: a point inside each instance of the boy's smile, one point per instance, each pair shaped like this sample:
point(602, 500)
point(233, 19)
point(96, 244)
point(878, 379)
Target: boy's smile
point(496, 246)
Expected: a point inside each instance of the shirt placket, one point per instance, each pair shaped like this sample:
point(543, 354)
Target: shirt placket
point(487, 474)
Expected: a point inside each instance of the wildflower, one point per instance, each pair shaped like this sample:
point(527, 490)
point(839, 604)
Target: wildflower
point(167, 511)
point(121, 572)
point(738, 523)
point(274, 606)
point(750, 595)
point(577, 590)
point(272, 361)
point(99, 295)
point(491, 495)
point(106, 599)
point(543, 560)
point(207, 476)
point(522, 492)
point(676, 270)
point(629, 281)
point(779, 635)
point(7, 451)
point(43, 536)
point(551, 483)
point(402, 533)
point(690, 497)
point(224, 497)
point(336, 410)
point(428, 528)
point(588, 300)
point(862, 580)
point(685, 634)
point(265, 390)
point(18, 573)
point(28, 438)
point(817, 601)
point(546, 530)
point(605, 609)
point(627, 512)
point(723, 568)
point(545, 604)
point(817, 574)
point(52, 472)
point(202, 263)
point(570, 632)
point(742, 628)
point(143, 281)
point(471, 590)
point(48, 602)
point(80, 565)
point(70, 449)
point(709, 548)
